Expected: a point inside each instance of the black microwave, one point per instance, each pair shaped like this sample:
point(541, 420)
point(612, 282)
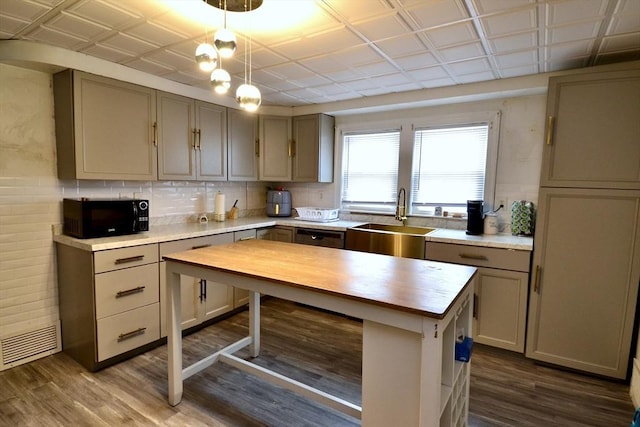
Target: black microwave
point(90, 218)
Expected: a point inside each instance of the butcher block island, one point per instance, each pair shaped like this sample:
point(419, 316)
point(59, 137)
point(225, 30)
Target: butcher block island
point(413, 311)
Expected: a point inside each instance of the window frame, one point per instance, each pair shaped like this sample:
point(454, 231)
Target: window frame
point(405, 165)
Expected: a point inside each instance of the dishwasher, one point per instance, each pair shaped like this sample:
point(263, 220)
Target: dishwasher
point(314, 237)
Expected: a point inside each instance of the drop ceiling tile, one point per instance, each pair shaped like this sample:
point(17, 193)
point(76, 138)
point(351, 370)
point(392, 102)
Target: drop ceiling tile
point(358, 10)
point(354, 56)
point(146, 8)
point(427, 74)
point(150, 67)
point(127, 43)
point(56, 38)
point(183, 78)
point(290, 71)
point(23, 10)
point(566, 64)
point(475, 66)
point(477, 77)
point(333, 90)
point(105, 52)
point(10, 25)
point(578, 49)
point(447, 81)
point(433, 13)
point(321, 64)
point(624, 23)
point(401, 46)
point(357, 85)
point(628, 7)
point(414, 62)
point(568, 33)
point(515, 42)
point(183, 25)
point(563, 12)
point(320, 44)
point(68, 23)
point(107, 14)
point(381, 28)
point(519, 71)
point(620, 43)
point(344, 75)
point(517, 59)
point(498, 6)
point(274, 81)
point(451, 35)
point(312, 81)
point(155, 34)
point(377, 68)
point(172, 60)
point(467, 51)
point(508, 23)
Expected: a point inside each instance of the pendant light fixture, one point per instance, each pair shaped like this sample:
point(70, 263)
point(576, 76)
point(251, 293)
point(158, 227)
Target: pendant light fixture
point(220, 80)
point(247, 95)
point(206, 56)
point(225, 40)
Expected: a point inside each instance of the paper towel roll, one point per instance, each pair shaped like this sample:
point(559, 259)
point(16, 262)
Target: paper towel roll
point(218, 213)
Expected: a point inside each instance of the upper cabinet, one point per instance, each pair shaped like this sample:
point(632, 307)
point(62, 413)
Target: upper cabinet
point(104, 128)
point(298, 149)
point(191, 139)
point(313, 139)
point(593, 131)
point(243, 146)
point(276, 148)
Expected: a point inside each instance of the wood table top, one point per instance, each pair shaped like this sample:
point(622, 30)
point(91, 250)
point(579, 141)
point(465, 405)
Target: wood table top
point(423, 287)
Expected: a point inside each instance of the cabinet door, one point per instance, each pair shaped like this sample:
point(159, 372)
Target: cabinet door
point(243, 146)
point(593, 131)
point(500, 308)
point(211, 147)
point(313, 141)
point(176, 137)
point(113, 129)
point(275, 148)
point(585, 281)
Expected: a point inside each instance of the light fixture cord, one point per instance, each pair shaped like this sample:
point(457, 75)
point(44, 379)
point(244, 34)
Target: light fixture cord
point(250, 37)
point(245, 50)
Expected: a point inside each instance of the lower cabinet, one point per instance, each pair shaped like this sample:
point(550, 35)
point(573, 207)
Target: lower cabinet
point(109, 302)
point(201, 300)
point(279, 233)
point(500, 300)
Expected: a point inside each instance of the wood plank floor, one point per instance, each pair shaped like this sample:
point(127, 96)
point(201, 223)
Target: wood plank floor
point(317, 348)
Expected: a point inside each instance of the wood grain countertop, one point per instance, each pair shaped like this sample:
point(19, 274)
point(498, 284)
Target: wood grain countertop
point(422, 287)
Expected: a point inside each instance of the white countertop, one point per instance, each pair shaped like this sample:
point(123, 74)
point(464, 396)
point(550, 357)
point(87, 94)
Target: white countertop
point(505, 241)
point(166, 233)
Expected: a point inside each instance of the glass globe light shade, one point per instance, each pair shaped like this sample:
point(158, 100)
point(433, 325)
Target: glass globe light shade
point(220, 81)
point(248, 96)
point(206, 57)
point(225, 42)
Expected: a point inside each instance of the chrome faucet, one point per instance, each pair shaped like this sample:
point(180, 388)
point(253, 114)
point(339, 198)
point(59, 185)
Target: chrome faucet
point(401, 210)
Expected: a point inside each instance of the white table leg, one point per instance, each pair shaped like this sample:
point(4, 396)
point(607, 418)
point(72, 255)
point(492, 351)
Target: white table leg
point(174, 338)
point(254, 323)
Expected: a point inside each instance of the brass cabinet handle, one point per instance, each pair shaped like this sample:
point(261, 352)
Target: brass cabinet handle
point(472, 256)
point(131, 291)
point(132, 334)
point(200, 246)
point(195, 133)
point(475, 306)
point(155, 134)
point(550, 130)
point(536, 279)
point(246, 238)
point(199, 139)
point(257, 147)
point(129, 259)
point(292, 148)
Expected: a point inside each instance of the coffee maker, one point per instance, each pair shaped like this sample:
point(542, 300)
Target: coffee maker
point(475, 222)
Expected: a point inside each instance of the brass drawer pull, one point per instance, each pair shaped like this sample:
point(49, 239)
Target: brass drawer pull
point(472, 256)
point(137, 290)
point(200, 246)
point(132, 334)
point(247, 238)
point(129, 259)
point(536, 279)
point(550, 120)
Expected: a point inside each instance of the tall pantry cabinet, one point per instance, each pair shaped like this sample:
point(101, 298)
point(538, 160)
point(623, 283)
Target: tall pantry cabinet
point(586, 259)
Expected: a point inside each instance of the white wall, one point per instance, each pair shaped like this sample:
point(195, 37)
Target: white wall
point(31, 194)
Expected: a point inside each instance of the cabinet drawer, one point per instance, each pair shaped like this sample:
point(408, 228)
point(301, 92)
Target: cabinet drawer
point(116, 259)
point(126, 331)
point(194, 243)
point(506, 259)
point(244, 235)
point(126, 289)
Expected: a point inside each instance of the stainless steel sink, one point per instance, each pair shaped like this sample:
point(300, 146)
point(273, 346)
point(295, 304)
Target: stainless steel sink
point(387, 239)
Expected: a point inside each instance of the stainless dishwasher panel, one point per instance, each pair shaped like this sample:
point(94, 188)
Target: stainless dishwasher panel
point(329, 239)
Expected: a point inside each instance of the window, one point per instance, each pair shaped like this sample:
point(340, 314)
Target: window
point(441, 160)
point(370, 171)
point(449, 167)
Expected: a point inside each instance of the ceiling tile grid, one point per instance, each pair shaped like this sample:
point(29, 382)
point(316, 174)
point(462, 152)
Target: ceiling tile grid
point(338, 50)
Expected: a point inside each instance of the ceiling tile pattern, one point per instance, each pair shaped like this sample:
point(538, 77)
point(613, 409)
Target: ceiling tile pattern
point(345, 49)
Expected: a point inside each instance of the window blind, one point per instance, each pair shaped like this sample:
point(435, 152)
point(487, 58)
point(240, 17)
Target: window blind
point(449, 166)
point(370, 170)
